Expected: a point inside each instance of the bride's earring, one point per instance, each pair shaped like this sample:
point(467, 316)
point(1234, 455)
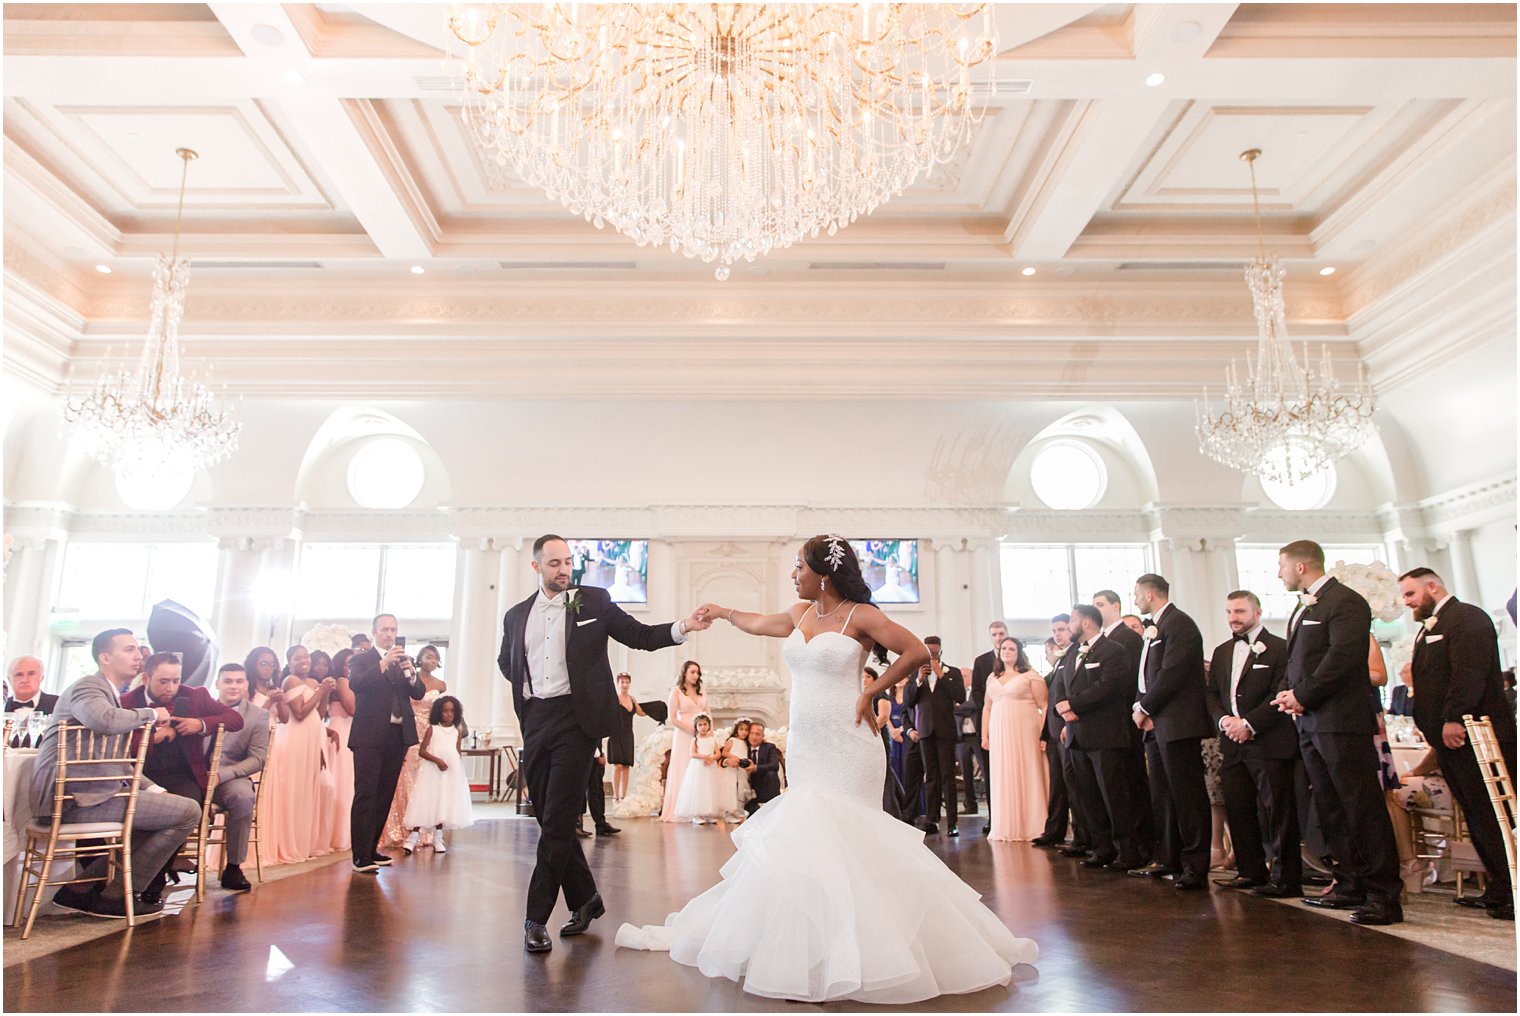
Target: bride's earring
point(823, 585)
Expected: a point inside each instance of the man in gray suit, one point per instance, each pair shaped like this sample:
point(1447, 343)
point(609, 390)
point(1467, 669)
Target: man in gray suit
point(243, 754)
point(161, 822)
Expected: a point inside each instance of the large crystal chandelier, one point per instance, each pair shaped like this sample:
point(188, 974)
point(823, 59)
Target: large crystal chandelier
point(152, 422)
point(1282, 422)
point(723, 130)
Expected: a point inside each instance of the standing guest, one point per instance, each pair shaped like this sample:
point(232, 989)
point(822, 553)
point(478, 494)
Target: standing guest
point(262, 665)
point(882, 704)
point(1456, 674)
point(1097, 688)
point(701, 797)
point(620, 748)
point(360, 643)
point(244, 753)
point(911, 800)
point(1399, 702)
point(936, 692)
point(177, 753)
point(765, 775)
point(554, 651)
point(733, 761)
point(686, 701)
point(1327, 692)
point(897, 742)
point(396, 832)
point(1173, 712)
point(1133, 642)
point(1012, 723)
point(440, 800)
point(1134, 624)
point(26, 695)
point(160, 823)
point(596, 798)
point(1061, 763)
point(1258, 752)
point(321, 665)
point(385, 683)
point(976, 697)
point(340, 721)
point(304, 799)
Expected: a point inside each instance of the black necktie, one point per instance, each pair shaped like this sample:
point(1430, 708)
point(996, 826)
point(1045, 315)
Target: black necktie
point(11, 705)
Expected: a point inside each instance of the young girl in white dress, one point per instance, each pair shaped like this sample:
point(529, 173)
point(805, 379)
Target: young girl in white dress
point(701, 790)
point(441, 796)
point(735, 775)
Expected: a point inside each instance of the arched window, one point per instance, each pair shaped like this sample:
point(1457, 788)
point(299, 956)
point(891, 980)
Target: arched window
point(385, 473)
point(1068, 475)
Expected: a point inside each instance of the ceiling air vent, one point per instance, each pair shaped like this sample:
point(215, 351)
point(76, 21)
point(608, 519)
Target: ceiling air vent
point(1012, 86)
point(569, 266)
point(1181, 266)
point(200, 265)
point(437, 84)
point(877, 266)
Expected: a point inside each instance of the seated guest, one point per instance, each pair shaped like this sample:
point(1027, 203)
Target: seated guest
point(177, 756)
point(1399, 702)
point(160, 823)
point(244, 753)
point(765, 776)
point(26, 694)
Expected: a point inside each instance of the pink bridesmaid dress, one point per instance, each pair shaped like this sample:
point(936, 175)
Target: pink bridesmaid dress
point(296, 810)
point(1020, 781)
point(342, 759)
point(683, 709)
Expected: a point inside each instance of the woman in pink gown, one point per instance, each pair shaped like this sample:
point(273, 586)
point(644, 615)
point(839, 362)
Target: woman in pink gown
point(1012, 721)
point(263, 668)
point(686, 701)
point(340, 718)
point(301, 808)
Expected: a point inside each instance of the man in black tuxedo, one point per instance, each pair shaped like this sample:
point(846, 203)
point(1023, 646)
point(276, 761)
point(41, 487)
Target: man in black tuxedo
point(1259, 751)
point(976, 697)
point(1456, 674)
point(765, 770)
point(25, 676)
point(383, 679)
point(1327, 692)
point(554, 651)
point(1062, 798)
point(1108, 604)
point(1173, 712)
point(1097, 688)
point(935, 693)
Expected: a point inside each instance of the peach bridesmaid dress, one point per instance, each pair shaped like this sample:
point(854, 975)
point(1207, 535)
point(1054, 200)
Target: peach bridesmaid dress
point(342, 759)
point(1020, 781)
point(296, 805)
point(683, 709)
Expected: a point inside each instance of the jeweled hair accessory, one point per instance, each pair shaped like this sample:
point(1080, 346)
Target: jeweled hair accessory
point(835, 556)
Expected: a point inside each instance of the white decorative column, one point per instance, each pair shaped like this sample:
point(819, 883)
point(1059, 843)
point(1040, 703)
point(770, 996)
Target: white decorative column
point(1195, 553)
point(982, 606)
point(31, 579)
point(514, 580)
point(949, 598)
point(474, 638)
point(237, 576)
point(1464, 567)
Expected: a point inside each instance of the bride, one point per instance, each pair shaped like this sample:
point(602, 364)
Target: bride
point(842, 901)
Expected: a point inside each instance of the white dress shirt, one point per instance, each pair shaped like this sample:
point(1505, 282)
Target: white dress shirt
point(1240, 658)
point(548, 670)
point(1145, 650)
point(1298, 611)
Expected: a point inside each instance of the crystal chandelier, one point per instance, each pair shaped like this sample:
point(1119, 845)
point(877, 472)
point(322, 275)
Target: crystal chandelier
point(1282, 422)
point(153, 421)
point(723, 130)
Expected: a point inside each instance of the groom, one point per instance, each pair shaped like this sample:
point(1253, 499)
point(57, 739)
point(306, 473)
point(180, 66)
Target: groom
point(554, 651)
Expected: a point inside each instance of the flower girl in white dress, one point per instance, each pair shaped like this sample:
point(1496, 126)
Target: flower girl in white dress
point(441, 796)
point(701, 793)
point(735, 776)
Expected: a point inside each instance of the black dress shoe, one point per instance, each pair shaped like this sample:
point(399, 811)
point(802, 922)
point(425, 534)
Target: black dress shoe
point(928, 827)
point(1153, 871)
point(581, 919)
point(1239, 882)
point(1471, 902)
point(380, 859)
point(583, 832)
point(1334, 901)
point(607, 830)
point(1188, 882)
point(234, 880)
point(1043, 841)
point(1120, 865)
point(82, 901)
point(1073, 852)
point(1503, 912)
point(1378, 911)
point(154, 891)
point(1096, 862)
point(952, 831)
point(536, 937)
point(1274, 891)
point(1315, 878)
point(987, 829)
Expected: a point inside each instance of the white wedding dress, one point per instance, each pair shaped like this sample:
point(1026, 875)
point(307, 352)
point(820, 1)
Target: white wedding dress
point(828, 897)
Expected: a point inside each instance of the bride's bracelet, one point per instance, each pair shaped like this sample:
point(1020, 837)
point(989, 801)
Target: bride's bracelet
point(730, 616)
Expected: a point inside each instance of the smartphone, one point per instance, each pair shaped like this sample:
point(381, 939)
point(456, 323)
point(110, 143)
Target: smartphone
point(181, 707)
point(400, 641)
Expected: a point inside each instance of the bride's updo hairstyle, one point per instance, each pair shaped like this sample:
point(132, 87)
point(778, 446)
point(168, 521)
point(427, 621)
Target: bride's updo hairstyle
point(834, 560)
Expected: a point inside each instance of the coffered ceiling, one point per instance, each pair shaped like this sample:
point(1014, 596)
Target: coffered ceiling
point(333, 161)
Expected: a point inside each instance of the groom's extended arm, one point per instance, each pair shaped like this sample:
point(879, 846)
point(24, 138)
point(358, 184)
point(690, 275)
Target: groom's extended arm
point(636, 635)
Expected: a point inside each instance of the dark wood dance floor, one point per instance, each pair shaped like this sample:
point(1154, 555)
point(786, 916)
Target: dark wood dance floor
point(444, 934)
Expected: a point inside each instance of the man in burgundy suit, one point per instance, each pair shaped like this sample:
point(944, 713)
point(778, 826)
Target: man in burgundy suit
point(177, 756)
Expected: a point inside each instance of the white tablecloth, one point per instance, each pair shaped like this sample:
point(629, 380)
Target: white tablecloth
point(18, 798)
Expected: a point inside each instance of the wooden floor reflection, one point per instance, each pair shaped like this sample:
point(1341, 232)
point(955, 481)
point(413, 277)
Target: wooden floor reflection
point(444, 934)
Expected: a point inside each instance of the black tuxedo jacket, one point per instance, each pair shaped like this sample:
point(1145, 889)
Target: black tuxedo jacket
point(981, 670)
point(45, 703)
point(1101, 689)
point(1175, 696)
point(376, 694)
point(1261, 679)
point(936, 714)
point(1327, 662)
point(765, 776)
point(1456, 673)
point(1056, 685)
point(1131, 642)
point(592, 691)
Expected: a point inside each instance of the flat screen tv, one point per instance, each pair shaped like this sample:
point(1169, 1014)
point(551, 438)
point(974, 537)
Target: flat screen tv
point(619, 566)
point(890, 568)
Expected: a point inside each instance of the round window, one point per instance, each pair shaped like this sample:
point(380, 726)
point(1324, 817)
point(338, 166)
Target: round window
point(386, 473)
point(149, 478)
point(1068, 475)
point(1307, 494)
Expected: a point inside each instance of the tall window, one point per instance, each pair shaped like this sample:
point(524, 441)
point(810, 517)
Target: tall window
point(121, 581)
point(355, 581)
point(1040, 580)
point(1257, 564)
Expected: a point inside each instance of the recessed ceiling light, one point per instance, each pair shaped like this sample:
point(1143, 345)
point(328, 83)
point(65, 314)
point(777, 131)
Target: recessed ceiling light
point(1183, 31)
point(294, 77)
point(1028, 271)
point(1066, 271)
point(1327, 270)
point(418, 269)
point(268, 35)
point(103, 269)
point(1155, 79)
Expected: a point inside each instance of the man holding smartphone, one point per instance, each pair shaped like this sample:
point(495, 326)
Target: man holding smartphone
point(383, 678)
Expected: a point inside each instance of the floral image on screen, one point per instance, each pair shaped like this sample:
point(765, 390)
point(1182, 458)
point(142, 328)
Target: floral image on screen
point(890, 568)
point(619, 566)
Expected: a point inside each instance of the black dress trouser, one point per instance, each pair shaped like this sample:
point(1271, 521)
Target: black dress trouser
point(556, 765)
point(376, 770)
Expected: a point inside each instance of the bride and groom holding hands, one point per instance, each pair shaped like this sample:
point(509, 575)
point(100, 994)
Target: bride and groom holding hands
point(815, 862)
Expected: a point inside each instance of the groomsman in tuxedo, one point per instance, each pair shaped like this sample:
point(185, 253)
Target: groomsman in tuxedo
point(384, 680)
point(554, 652)
point(1097, 688)
point(1327, 692)
point(26, 688)
point(1173, 712)
point(1259, 750)
point(976, 697)
point(1456, 674)
point(1108, 604)
point(935, 693)
point(1058, 758)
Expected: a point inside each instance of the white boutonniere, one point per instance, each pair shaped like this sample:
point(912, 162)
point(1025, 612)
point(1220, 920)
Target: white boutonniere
point(1082, 650)
point(1152, 633)
point(1307, 600)
point(1257, 648)
point(573, 600)
point(1429, 623)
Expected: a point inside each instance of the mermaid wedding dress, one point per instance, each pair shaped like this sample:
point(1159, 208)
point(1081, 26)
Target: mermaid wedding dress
point(828, 897)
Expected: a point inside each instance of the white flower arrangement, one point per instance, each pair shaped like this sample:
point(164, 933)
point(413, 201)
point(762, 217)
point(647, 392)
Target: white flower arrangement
point(330, 638)
point(1376, 583)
